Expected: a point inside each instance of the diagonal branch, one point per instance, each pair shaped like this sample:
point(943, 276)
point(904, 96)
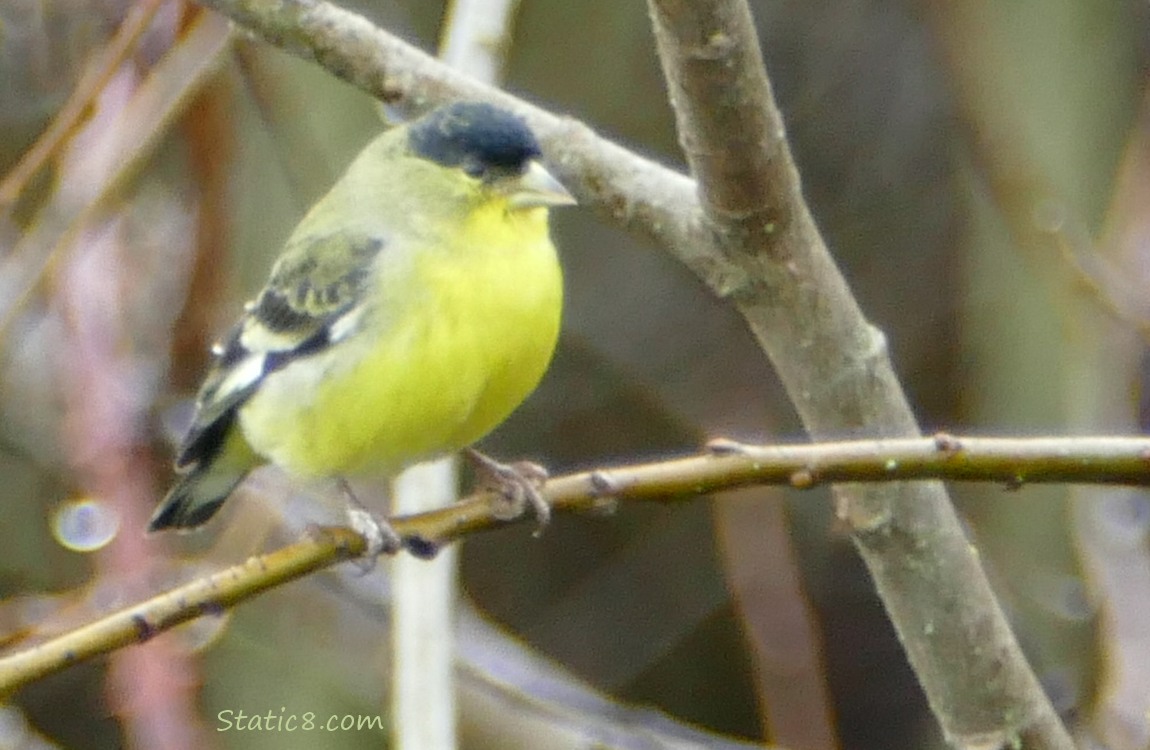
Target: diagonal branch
point(71, 115)
point(835, 368)
point(625, 189)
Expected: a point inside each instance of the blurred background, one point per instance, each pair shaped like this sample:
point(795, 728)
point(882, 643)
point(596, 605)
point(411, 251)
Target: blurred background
point(980, 169)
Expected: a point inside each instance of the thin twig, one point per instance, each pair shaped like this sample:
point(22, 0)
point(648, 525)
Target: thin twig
point(206, 596)
point(726, 465)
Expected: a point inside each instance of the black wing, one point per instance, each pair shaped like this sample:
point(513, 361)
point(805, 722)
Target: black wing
point(318, 282)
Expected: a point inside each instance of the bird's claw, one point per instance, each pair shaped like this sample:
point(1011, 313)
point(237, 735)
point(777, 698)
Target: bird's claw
point(518, 485)
point(379, 537)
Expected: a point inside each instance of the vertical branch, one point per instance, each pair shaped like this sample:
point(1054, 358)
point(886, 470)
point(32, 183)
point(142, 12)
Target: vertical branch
point(762, 571)
point(423, 621)
point(753, 208)
point(1110, 523)
point(1044, 91)
point(475, 38)
point(209, 129)
point(836, 371)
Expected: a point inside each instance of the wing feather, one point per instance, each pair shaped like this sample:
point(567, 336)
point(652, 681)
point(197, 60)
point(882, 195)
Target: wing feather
point(316, 288)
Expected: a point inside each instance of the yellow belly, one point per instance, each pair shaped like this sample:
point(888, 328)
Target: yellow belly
point(469, 339)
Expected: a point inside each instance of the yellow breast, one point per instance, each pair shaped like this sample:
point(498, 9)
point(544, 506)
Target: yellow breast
point(466, 331)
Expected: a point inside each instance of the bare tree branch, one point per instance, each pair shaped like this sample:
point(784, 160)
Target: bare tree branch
point(835, 367)
point(1110, 460)
point(205, 596)
point(625, 189)
point(760, 248)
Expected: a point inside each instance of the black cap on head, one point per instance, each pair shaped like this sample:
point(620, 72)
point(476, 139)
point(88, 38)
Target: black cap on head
point(479, 138)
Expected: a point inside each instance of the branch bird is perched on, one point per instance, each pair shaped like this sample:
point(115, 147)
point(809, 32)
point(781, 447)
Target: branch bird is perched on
point(412, 309)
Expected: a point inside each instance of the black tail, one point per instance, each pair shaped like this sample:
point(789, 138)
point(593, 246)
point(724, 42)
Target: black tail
point(196, 496)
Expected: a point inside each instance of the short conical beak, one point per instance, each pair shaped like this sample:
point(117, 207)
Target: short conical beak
point(537, 188)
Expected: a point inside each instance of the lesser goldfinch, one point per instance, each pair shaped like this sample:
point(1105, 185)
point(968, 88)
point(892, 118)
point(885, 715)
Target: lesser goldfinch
point(412, 309)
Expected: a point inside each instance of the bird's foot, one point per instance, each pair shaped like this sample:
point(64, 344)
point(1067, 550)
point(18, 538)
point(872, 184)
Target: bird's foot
point(379, 537)
point(518, 485)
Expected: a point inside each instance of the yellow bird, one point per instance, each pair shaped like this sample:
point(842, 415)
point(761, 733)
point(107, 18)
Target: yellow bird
point(412, 310)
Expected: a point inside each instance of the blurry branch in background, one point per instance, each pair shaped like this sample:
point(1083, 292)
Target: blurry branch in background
point(1072, 209)
point(84, 343)
point(499, 676)
point(786, 641)
point(726, 465)
point(73, 112)
point(1036, 159)
point(81, 286)
point(424, 592)
point(209, 131)
point(166, 92)
point(477, 36)
point(1111, 527)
